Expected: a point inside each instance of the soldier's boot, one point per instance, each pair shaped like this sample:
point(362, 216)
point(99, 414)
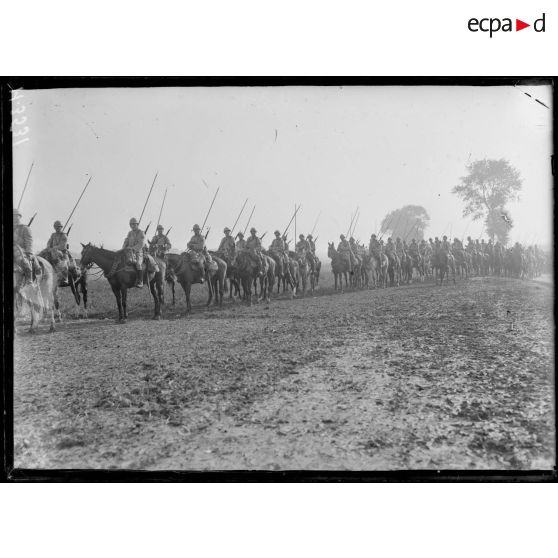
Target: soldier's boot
point(139, 276)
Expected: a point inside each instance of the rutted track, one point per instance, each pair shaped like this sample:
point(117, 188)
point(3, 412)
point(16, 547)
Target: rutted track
point(415, 377)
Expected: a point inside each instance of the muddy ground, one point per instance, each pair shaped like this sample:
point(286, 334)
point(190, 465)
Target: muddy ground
point(420, 376)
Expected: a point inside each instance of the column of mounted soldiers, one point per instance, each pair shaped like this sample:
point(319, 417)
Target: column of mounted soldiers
point(476, 257)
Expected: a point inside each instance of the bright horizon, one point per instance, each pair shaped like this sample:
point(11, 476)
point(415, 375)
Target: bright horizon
point(330, 149)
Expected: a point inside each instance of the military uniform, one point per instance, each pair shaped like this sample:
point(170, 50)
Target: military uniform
point(302, 247)
point(227, 247)
point(254, 247)
point(240, 244)
point(278, 249)
point(58, 246)
point(24, 240)
point(344, 248)
point(134, 242)
point(399, 248)
point(161, 243)
point(197, 245)
point(58, 241)
point(374, 246)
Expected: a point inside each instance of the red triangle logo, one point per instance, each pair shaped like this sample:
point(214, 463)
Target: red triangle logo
point(519, 25)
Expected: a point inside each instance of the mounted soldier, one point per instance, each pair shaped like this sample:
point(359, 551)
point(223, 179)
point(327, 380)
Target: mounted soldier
point(160, 243)
point(446, 245)
point(414, 250)
point(457, 246)
point(390, 247)
point(344, 248)
point(303, 250)
point(197, 249)
point(254, 248)
point(277, 250)
point(399, 248)
point(227, 247)
point(23, 249)
point(240, 243)
point(374, 245)
point(312, 252)
point(57, 247)
point(134, 244)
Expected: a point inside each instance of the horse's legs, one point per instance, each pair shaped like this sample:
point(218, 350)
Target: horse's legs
point(118, 295)
point(187, 288)
point(125, 302)
point(155, 295)
point(209, 281)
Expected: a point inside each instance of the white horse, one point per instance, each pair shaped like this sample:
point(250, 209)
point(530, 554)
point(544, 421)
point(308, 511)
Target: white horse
point(39, 296)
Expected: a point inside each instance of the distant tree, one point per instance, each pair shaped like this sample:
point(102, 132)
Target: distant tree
point(489, 185)
point(406, 223)
point(498, 225)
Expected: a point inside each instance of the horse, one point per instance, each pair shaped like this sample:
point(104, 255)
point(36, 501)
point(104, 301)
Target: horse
point(317, 269)
point(121, 277)
point(248, 273)
point(339, 265)
point(305, 272)
point(230, 274)
point(267, 280)
point(443, 262)
point(40, 296)
point(77, 278)
point(283, 275)
point(368, 270)
point(462, 263)
point(394, 269)
point(189, 271)
point(216, 280)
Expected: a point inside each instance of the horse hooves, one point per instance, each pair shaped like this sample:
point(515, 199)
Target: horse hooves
point(156, 317)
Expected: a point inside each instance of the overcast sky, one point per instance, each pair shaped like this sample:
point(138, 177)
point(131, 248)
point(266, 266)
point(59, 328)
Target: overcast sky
point(330, 149)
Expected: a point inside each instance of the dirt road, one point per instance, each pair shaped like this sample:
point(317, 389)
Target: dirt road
point(413, 377)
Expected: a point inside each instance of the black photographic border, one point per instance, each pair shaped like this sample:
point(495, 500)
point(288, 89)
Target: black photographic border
point(110, 475)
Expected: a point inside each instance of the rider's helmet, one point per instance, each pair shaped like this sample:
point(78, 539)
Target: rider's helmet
point(310, 236)
point(277, 233)
point(226, 230)
point(57, 224)
point(196, 228)
point(342, 237)
point(253, 230)
point(160, 228)
point(134, 221)
point(301, 236)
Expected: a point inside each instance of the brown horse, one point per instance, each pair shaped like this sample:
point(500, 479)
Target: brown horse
point(339, 265)
point(40, 296)
point(188, 272)
point(248, 273)
point(230, 273)
point(443, 262)
point(282, 271)
point(121, 277)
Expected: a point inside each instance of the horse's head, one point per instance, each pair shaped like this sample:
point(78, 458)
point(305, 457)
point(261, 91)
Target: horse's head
point(86, 259)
